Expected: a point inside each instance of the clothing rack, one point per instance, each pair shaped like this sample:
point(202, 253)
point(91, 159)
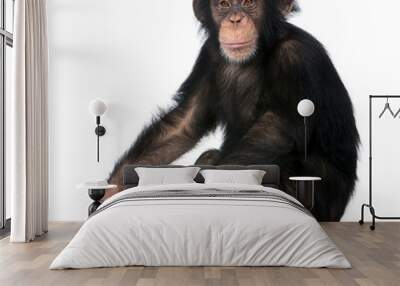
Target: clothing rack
point(370, 204)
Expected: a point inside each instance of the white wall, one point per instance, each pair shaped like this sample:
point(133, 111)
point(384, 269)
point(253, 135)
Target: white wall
point(135, 54)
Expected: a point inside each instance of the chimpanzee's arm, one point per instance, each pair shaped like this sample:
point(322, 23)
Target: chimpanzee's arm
point(177, 130)
point(264, 143)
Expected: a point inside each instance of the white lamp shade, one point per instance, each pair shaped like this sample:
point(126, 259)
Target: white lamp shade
point(306, 108)
point(97, 107)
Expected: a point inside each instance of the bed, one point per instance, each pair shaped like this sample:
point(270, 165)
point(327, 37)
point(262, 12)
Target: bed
point(198, 224)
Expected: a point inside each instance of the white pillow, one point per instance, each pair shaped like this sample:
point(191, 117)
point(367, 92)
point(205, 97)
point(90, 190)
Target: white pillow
point(166, 176)
point(244, 177)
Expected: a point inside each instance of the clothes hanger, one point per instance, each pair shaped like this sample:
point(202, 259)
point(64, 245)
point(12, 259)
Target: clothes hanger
point(387, 107)
point(397, 113)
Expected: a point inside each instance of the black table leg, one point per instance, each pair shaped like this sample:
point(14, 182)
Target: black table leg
point(96, 196)
point(305, 193)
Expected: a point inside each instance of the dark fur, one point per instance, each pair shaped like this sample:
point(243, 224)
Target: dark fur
point(256, 102)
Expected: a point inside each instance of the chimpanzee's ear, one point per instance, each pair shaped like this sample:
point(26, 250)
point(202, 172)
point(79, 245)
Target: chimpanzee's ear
point(199, 7)
point(288, 7)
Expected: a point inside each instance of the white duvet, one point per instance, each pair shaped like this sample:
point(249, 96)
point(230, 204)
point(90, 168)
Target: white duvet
point(193, 231)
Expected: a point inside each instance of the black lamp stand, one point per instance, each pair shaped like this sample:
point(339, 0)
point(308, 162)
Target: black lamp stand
point(305, 139)
point(100, 131)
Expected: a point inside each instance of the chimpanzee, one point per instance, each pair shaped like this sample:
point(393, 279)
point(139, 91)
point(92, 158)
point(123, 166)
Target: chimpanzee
point(251, 73)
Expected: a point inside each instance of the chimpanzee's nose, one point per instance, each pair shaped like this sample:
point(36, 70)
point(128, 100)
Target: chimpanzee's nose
point(236, 18)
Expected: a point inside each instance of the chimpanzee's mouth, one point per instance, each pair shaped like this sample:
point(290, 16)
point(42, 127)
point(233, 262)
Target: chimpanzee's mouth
point(238, 45)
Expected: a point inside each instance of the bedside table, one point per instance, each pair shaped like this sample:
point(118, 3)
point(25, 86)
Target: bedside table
point(96, 193)
point(305, 190)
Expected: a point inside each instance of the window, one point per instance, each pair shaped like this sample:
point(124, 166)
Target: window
point(6, 44)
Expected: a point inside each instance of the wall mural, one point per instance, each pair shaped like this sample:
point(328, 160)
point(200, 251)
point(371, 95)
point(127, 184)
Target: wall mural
point(251, 73)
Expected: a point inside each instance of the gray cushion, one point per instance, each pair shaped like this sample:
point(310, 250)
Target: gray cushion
point(271, 177)
point(247, 177)
point(166, 176)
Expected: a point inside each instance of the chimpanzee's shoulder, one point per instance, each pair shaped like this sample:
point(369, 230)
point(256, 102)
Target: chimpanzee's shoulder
point(298, 45)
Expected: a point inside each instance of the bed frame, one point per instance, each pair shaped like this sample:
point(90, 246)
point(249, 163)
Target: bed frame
point(271, 178)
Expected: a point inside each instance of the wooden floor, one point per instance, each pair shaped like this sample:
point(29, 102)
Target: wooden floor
point(375, 257)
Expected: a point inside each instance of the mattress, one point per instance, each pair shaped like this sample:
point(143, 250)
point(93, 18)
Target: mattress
point(201, 225)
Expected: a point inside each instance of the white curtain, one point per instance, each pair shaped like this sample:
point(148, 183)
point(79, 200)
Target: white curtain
point(28, 123)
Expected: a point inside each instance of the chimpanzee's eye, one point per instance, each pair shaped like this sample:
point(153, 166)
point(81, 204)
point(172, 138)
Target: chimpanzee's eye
point(224, 4)
point(248, 3)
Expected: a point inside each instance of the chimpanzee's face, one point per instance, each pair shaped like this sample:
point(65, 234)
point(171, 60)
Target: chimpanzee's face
point(239, 23)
